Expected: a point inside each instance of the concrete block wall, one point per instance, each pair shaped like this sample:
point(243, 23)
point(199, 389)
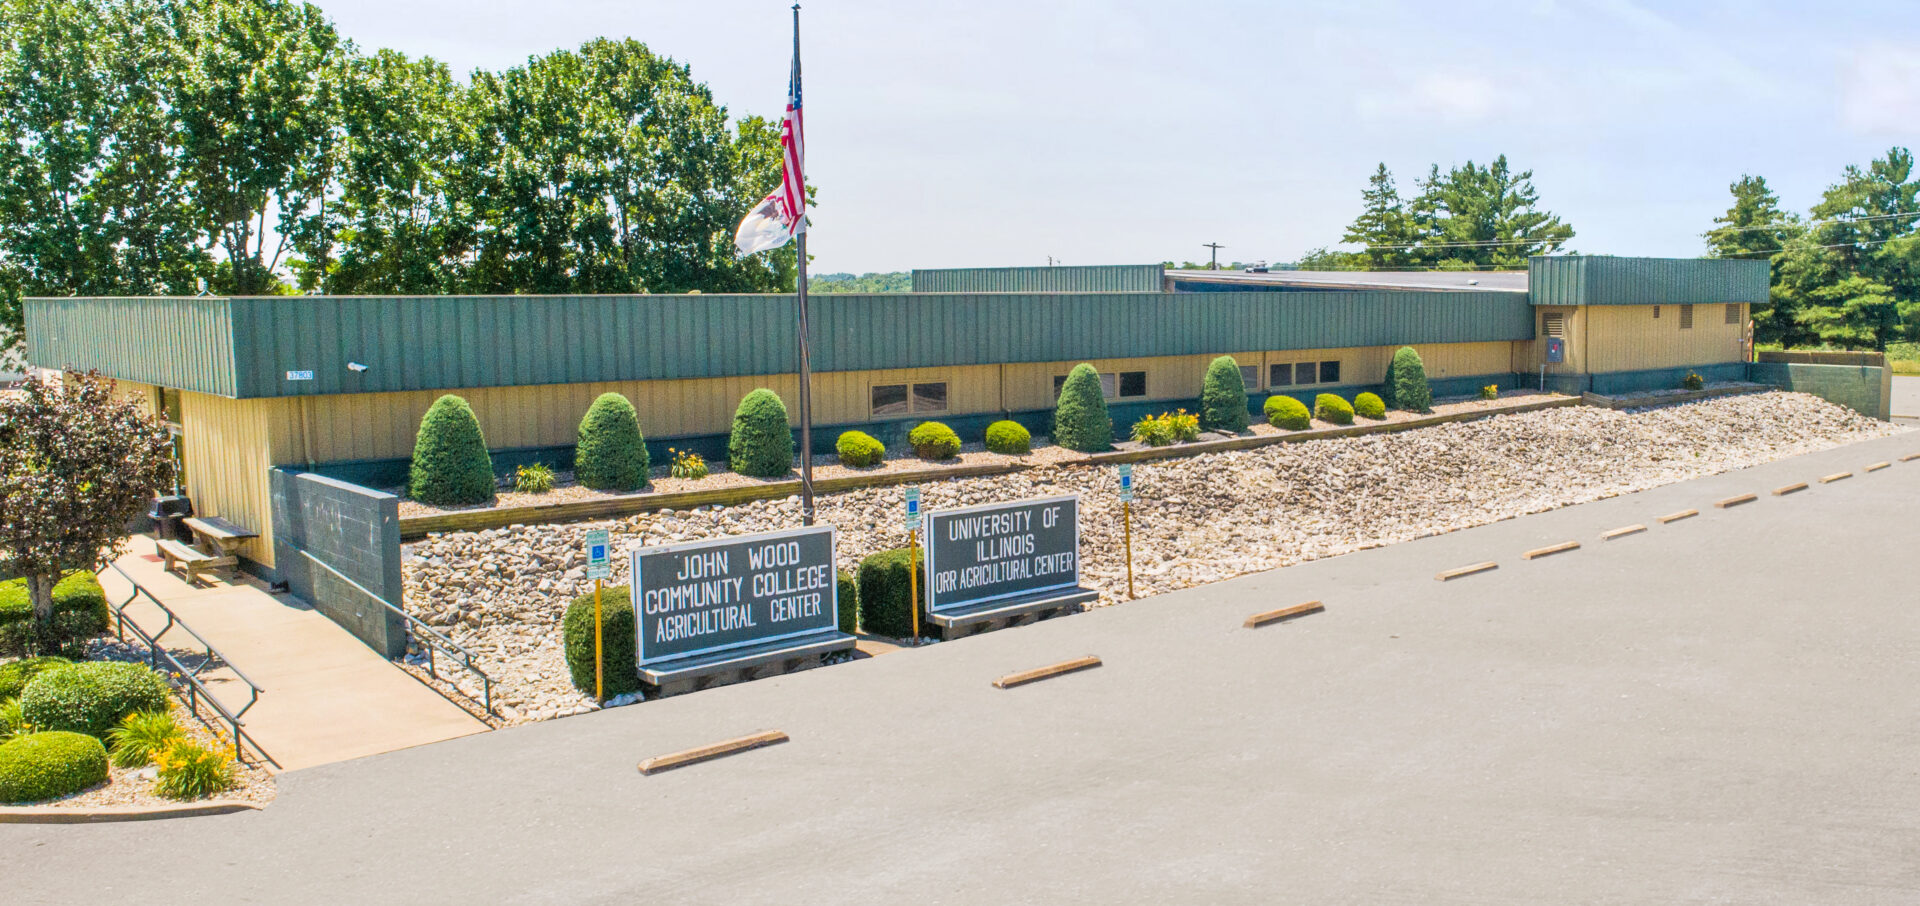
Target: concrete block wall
point(352, 529)
point(1865, 389)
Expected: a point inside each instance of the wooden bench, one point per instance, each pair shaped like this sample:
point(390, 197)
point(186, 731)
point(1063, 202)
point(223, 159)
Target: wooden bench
point(698, 671)
point(971, 619)
point(191, 562)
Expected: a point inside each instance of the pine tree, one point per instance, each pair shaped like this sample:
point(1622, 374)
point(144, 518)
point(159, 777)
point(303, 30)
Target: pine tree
point(1756, 228)
point(1383, 227)
point(1484, 217)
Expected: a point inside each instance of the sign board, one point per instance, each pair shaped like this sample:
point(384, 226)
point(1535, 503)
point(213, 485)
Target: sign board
point(299, 375)
point(1000, 550)
point(599, 565)
point(913, 508)
point(1126, 482)
point(706, 596)
point(1556, 350)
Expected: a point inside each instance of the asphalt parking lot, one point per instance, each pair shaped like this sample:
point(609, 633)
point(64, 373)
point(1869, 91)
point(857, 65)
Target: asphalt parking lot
point(1719, 709)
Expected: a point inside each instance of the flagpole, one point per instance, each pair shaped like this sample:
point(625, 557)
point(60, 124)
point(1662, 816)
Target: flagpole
point(806, 356)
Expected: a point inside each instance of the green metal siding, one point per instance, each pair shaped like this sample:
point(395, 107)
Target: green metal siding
point(1602, 280)
point(1115, 278)
point(185, 343)
point(422, 343)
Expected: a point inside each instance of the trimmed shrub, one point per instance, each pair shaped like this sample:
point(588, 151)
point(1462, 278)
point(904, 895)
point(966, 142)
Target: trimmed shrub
point(1693, 381)
point(1490, 392)
point(533, 478)
point(79, 613)
point(1080, 419)
point(934, 440)
point(1407, 383)
point(886, 600)
point(15, 676)
point(12, 722)
point(1287, 412)
point(1329, 407)
point(849, 593)
point(611, 454)
point(1223, 397)
point(1010, 438)
point(140, 737)
point(450, 462)
point(91, 698)
point(1367, 405)
point(859, 449)
point(188, 770)
point(48, 765)
point(761, 444)
point(621, 670)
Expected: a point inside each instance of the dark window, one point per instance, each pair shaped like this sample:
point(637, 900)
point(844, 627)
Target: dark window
point(930, 397)
point(1059, 381)
point(1280, 375)
point(1656, 312)
point(1133, 383)
point(170, 406)
point(1250, 376)
point(1733, 312)
point(1329, 372)
point(1306, 372)
point(890, 399)
point(1686, 317)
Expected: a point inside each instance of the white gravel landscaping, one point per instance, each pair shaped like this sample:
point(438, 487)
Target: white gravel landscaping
point(1198, 519)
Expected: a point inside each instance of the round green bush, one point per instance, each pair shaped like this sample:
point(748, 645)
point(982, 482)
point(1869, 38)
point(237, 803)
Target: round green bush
point(1080, 419)
point(1287, 412)
point(886, 600)
point(848, 592)
point(621, 670)
point(47, 765)
point(1223, 397)
point(15, 676)
point(1407, 386)
point(450, 462)
point(611, 454)
point(761, 444)
point(1010, 438)
point(91, 698)
point(934, 440)
point(859, 449)
point(1329, 407)
point(1367, 405)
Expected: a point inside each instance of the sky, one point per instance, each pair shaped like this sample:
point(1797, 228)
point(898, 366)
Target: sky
point(988, 133)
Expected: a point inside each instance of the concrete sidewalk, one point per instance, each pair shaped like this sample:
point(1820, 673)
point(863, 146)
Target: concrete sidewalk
point(1718, 710)
point(328, 696)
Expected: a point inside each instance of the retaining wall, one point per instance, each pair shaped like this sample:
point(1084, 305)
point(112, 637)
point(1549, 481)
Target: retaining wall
point(352, 529)
point(1865, 389)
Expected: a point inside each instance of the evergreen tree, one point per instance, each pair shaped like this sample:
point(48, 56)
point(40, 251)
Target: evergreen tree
point(1854, 313)
point(1383, 228)
point(1756, 228)
point(1484, 217)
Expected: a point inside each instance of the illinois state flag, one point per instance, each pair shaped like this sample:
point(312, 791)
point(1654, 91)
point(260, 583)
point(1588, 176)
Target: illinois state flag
point(781, 215)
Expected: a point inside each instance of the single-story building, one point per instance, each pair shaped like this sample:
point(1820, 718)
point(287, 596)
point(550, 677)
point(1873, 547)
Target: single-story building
point(337, 385)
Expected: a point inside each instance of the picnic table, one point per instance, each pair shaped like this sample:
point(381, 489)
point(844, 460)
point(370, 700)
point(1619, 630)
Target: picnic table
point(216, 546)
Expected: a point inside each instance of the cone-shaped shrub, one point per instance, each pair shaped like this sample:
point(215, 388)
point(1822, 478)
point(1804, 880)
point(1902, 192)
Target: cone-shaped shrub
point(1329, 407)
point(1080, 419)
point(1223, 397)
point(1407, 383)
point(1367, 405)
point(450, 462)
point(620, 673)
point(1009, 437)
point(761, 444)
point(612, 454)
point(1287, 412)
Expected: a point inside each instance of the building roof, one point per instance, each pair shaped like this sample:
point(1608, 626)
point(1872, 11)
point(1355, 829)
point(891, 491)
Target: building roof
point(1440, 281)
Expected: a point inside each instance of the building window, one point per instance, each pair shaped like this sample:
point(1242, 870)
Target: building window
point(1306, 372)
point(930, 397)
point(169, 411)
point(1112, 385)
point(1133, 383)
point(1329, 372)
point(1656, 312)
point(890, 399)
point(903, 399)
point(1303, 373)
point(1280, 376)
point(1554, 324)
point(1733, 313)
point(1686, 317)
point(1250, 376)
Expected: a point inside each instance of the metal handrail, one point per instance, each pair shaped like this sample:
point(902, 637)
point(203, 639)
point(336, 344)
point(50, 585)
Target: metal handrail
point(194, 689)
point(416, 627)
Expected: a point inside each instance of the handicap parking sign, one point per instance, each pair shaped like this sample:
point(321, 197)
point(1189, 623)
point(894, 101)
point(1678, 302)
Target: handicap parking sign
point(599, 565)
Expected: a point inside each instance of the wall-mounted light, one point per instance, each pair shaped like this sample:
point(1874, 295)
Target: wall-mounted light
point(356, 366)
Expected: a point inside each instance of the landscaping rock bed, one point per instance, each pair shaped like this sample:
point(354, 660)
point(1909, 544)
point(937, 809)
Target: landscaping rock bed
point(1198, 519)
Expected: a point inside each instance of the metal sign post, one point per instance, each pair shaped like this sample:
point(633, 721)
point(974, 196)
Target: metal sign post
point(599, 567)
point(913, 558)
point(1126, 519)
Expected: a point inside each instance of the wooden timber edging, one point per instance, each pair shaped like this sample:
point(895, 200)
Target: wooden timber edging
point(414, 528)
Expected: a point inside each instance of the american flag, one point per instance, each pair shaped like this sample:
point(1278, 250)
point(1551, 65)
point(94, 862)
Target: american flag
point(782, 214)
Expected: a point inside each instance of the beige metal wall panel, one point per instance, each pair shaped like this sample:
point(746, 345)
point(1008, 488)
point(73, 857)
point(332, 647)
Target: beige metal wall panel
point(1529, 355)
point(229, 448)
point(1630, 338)
point(1029, 385)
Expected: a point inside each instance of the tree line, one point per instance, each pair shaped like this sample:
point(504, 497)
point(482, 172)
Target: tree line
point(1469, 217)
point(246, 147)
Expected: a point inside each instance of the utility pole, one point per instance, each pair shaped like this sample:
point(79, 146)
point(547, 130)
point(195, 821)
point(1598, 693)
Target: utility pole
point(1216, 247)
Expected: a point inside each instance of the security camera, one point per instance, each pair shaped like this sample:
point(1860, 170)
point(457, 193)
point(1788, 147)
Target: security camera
point(356, 366)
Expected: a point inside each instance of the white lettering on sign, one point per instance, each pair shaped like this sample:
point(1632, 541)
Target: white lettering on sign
point(299, 375)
